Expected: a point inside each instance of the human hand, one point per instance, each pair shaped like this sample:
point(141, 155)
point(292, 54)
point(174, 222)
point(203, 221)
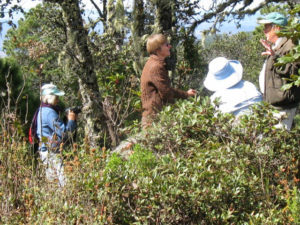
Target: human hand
point(268, 47)
point(72, 115)
point(191, 92)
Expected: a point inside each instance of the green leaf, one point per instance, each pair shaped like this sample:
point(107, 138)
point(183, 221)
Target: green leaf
point(294, 77)
point(297, 55)
point(297, 82)
point(279, 64)
point(286, 59)
point(286, 86)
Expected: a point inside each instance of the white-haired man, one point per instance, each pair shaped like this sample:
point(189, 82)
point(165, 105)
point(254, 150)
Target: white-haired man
point(272, 78)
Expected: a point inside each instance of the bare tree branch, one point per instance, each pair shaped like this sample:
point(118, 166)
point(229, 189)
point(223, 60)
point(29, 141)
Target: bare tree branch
point(222, 9)
point(97, 8)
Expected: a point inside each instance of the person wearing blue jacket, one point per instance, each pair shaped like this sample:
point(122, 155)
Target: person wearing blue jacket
point(53, 132)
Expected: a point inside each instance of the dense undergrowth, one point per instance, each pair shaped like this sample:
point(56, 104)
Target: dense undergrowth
point(191, 167)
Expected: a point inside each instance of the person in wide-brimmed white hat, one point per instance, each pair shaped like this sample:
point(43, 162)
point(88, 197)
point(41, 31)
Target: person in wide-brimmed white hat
point(235, 95)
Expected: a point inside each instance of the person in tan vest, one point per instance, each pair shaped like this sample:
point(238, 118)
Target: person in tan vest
point(272, 78)
point(156, 90)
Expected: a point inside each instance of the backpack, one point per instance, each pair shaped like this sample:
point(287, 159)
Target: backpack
point(32, 134)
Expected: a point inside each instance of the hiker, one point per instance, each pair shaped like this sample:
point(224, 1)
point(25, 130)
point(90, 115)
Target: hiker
point(156, 90)
point(271, 78)
point(235, 95)
point(52, 132)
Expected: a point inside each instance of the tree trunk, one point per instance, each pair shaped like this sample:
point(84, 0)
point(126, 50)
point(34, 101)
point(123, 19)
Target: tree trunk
point(166, 23)
point(78, 48)
point(104, 10)
point(115, 21)
point(137, 30)
point(163, 21)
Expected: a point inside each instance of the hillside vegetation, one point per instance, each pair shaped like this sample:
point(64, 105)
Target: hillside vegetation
point(192, 167)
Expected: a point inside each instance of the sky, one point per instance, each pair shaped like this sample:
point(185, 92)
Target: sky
point(248, 24)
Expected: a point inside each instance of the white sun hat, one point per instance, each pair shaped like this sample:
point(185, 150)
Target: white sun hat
point(223, 73)
point(51, 89)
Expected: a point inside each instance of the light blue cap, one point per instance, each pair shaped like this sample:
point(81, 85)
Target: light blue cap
point(274, 18)
point(51, 89)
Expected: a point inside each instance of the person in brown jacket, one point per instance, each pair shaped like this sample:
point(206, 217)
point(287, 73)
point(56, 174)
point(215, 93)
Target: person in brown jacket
point(155, 84)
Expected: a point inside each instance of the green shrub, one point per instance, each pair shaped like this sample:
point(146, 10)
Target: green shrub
point(192, 167)
point(294, 205)
point(208, 170)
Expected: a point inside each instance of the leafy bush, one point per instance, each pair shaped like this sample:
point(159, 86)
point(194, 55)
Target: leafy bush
point(17, 101)
point(212, 171)
point(191, 167)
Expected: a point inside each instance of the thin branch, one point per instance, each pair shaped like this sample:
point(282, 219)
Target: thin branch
point(221, 9)
point(22, 89)
point(97, 8)
point(207, 16)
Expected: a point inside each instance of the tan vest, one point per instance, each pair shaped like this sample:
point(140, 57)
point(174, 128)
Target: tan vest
point(274, 79)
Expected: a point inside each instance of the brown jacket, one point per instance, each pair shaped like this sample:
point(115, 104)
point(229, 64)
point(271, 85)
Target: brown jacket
point(274, 79)
point(156, 87)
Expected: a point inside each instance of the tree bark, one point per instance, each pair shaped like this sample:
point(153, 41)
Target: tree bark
point(88, 87)
point(138, 31)
point(166, 23)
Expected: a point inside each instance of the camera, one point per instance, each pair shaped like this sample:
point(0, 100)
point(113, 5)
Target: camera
point(75, 109)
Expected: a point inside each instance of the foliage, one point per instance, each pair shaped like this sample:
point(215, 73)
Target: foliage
point(191, 67)
point(294, 205)
point(118, 82)
point(281, 8)
point(192, 167)
point(213, 171)
point(40, 40)
point(15, 95)
point(37, 44)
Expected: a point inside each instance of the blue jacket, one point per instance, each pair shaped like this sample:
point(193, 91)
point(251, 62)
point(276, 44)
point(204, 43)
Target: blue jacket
point(53, 129)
